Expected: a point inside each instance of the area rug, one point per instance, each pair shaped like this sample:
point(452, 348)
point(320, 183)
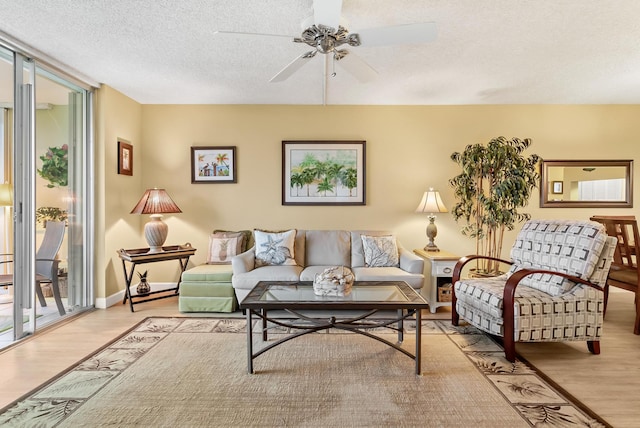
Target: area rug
point(192, 372)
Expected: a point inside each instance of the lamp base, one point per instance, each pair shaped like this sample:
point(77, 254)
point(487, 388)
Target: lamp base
point(155, 233)
point(432, 232)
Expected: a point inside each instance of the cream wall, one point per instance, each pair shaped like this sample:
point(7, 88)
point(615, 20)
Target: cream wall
point(118, 117)
point(408, 150)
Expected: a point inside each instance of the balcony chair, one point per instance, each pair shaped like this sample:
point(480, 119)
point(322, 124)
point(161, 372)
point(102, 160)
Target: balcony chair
point(553, 290)
point(46, 264)
point(624, 271)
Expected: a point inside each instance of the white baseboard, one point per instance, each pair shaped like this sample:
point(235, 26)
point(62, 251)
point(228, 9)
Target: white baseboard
point(105, 302)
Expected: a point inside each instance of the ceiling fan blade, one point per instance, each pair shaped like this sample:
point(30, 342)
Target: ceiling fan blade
point(356, 66)
point(327, 12)
point(248, 35)
point(292, 67)
point(399, 34)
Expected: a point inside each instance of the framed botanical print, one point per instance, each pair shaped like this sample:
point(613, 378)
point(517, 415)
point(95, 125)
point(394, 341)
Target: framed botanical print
point(323, 173)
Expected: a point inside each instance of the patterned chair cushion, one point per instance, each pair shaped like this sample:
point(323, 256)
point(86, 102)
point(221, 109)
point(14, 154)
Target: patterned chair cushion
point(571, 247)
point(576, 315)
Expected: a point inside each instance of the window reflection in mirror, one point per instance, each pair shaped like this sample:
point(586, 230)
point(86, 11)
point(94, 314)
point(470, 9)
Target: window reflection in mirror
point(586, 183)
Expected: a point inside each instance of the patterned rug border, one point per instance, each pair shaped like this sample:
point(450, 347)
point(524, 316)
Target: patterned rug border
point(549, 410)
point(575, 401)
point(518, 382)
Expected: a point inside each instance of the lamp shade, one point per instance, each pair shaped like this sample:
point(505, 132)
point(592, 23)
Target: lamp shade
point(6, 195)
point(156, 201)
point(431, 203)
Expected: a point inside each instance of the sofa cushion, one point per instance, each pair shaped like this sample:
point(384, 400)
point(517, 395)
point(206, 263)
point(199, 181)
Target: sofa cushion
point(560, 245)
point(309, 273)
point(223, 246)
point(248, 280)
point(328, 248)
point(276, 248)
point(208, 273)
point(357, 251)
point(379, 251)
point(388, 274)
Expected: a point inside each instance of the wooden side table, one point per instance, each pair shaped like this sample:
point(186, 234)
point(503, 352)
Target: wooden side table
point(182, 253)
point(438, 285)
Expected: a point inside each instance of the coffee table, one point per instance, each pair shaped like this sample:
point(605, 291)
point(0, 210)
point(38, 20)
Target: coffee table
point(368, 296)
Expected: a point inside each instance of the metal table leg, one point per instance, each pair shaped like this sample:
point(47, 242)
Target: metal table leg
point(418, 340)
point(249, 342)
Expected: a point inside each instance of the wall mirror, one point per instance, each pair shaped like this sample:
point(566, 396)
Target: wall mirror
point(586, 184)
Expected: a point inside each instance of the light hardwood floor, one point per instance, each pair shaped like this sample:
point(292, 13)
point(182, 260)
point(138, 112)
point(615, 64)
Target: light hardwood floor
point(608, 383)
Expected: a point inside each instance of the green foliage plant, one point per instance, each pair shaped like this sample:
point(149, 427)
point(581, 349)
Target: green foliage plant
point(496, 181)
point(55, 166)
point(45, 214)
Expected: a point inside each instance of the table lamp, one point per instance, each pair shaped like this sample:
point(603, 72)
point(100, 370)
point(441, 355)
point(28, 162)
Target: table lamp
point(431, 203)
point(156, 202)
point(6, 195)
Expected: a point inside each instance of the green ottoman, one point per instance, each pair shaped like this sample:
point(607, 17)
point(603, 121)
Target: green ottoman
point(207, 288)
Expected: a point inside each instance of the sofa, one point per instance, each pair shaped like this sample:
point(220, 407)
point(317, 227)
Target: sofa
point(298, 255)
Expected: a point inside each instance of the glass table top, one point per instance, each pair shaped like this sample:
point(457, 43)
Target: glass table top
point(359, 293)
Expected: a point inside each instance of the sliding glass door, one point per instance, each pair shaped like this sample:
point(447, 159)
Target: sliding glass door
point(47, 164)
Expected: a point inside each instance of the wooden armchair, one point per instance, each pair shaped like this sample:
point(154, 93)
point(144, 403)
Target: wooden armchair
point(552, 292)
point(624, 271)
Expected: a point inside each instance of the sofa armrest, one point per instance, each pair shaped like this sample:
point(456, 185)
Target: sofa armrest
point(244, 262)
point(410, 262)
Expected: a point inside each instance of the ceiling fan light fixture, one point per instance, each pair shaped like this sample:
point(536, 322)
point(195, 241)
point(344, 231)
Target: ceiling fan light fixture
point(326, 39)
point(326, 44)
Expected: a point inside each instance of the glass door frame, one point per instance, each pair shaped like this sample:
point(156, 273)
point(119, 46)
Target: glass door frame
point(23, 172)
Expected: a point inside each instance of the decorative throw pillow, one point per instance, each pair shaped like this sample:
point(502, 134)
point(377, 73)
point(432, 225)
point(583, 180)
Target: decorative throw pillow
point(223, 246)
point(380, 251)
point(247, 236)
point(273, 249)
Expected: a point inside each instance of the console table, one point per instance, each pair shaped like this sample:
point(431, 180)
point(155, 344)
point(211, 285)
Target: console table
point(438, 287)
point(138, 256)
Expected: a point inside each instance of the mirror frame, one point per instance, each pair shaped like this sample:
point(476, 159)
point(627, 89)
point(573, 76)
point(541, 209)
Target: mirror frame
point(544, 184)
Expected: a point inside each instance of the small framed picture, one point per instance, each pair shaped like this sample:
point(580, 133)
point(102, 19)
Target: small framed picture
point(213, 164)
point(556, 187)
point(323, 173)
point(125, 158)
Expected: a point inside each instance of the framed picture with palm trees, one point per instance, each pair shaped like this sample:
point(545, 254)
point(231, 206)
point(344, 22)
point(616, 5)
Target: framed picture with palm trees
point(323, 173)
point(213, 164)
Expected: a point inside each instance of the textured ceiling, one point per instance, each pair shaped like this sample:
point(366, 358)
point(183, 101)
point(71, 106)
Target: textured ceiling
point(486, 51)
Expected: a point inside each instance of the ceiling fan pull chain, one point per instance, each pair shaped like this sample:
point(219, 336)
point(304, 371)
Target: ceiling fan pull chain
point(334, 66)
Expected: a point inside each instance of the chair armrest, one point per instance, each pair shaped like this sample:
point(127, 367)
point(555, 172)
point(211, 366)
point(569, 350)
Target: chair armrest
point(244, 262)
point(466, 259)
point(410, 262)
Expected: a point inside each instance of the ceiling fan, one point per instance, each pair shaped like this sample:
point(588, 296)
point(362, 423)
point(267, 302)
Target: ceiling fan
point(325, 33)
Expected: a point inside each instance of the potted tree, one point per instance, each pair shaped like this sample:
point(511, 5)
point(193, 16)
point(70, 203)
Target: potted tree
point(496, 181)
